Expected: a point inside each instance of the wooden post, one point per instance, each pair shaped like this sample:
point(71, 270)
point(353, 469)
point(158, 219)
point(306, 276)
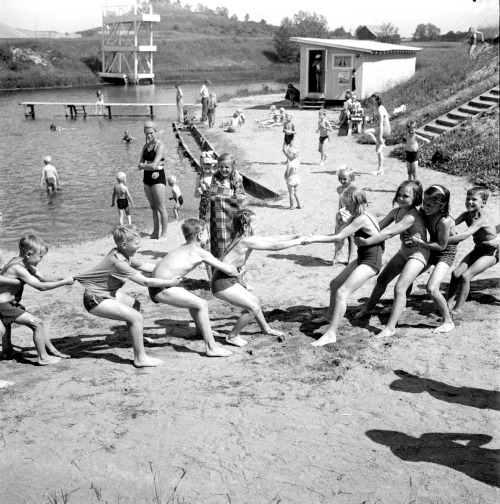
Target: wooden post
point(109, 110)
point(151, 110)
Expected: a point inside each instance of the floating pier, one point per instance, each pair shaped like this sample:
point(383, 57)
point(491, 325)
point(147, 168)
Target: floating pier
point(72, 109)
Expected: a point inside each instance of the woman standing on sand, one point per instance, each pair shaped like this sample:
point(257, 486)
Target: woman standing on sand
point(226, 197)
point(378, 133)
point(179, 102)
point(152, 160)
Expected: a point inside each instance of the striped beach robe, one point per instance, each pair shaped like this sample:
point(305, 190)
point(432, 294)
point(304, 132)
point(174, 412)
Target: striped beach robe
point(227, 196)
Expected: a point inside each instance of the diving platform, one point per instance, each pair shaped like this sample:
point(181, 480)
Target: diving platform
point(73, 109)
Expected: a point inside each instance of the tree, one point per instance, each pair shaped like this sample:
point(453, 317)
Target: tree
point(222, 11)
point(420, 32)
point(188, 8)
point(310, 25)
point(247, 18)
point(427, 31)
point(340, 33)
point(285, 50)
point(389, 33)
point(234, 17)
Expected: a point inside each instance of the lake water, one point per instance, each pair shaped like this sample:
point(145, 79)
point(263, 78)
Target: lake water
point(87, 160)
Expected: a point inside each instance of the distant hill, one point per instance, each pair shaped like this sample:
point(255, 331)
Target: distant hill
point(17, 33)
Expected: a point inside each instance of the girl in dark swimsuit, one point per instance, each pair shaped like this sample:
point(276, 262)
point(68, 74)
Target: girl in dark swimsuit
point(151, 162)
point(359, 271)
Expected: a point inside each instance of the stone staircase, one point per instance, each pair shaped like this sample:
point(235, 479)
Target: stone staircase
point(453, 119)
point(314, 101)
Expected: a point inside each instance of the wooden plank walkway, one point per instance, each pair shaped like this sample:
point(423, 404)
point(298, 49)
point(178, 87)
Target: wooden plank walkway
point(456, 117)
point(71, 109)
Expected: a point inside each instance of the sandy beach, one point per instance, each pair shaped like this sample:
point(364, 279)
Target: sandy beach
point(408, 419)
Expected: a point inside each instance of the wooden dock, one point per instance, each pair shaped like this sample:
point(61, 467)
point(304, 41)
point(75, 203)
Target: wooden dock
point(72, 109)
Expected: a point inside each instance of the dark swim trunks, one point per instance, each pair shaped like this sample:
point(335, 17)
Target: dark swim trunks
point(150, 181)
point(221, 281)
point(481, 251)
point(411, 156)
point(323, 138)
point(10, 311)
point(289, 138)
point(447, 255)
point(122, 203)
point(181, 200)
point(154, 291)
point(51, 183)
point(90, 301)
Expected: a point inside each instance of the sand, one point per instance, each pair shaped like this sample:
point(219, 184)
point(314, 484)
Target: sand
point(408, 419)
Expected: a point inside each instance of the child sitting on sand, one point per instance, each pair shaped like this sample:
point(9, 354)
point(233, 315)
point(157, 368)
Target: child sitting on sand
point(102, 283)
point(176, 195)
point(410, 138)
point(278, 119)
point(346, 178)
point(483, 256)
point(50, 176)
point(292, 175)
point(121, 194)
point(359, 271)
point(230, 289)
point(269, 117)
point(179, 262)
point(24, 270)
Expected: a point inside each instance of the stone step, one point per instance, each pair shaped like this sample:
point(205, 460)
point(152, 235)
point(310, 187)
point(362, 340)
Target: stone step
point(455, 114)
point(479, 104)
point(435, 128)
point(445, 121)
point(469, 110)
point(427, 134)
point(489, 98)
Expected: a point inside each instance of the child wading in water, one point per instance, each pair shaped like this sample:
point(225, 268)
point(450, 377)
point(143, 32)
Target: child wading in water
point(346, 178)
point(411, 259)
point(483, 256)
point(441, 226)
point(229, 289)
point(292, 175)
point(323, 128)
point(50, 176)
point(410, 138)
point(23, 268)
point(122, 195)
point(356, 273)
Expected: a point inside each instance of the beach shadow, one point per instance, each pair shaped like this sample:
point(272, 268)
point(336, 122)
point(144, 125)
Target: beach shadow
point(302, 260)
point(366, 189)
point(154, 254)
point(328, 172)
point(261, 204)
point(466, 396)
point(458, 451)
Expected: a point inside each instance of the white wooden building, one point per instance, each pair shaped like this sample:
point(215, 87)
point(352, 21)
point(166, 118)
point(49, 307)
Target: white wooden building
point(364, 66)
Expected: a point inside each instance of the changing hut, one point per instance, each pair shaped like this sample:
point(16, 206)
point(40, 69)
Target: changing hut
point(330, 67)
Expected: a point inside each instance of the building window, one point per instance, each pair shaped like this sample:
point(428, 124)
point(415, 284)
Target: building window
point(342, 61)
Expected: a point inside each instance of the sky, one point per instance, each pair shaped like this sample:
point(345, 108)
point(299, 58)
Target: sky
point(457, 15)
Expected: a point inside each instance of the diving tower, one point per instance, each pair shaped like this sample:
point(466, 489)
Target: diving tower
point(127, 43)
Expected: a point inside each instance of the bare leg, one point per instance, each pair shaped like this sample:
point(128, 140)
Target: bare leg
point(237, 295)
point(198, 308)
point(411, 270)
point(438, 299)
point(455, 283)
point(7, 350)
point(118, 310)
point(151, 200)
point(355, 277)
point(296, 194)
point(159, 197)
point(290, 195)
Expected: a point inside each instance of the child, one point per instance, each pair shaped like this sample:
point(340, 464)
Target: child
point(355, 115)
point(23, 268)
point(99, 104)
point(289, 131)
point(176, 195)
point(230, 289)
point(269, 118)
point(483, 256)
point(441, 226)
point(323, 128)
point(233, 124)
point(410, 137)
point(356, 273)
point(212, 104)
point(292, 175)
point(102, 299)
point(121, 194)
point(409, 262)
point(346, 178)
point(203, 181)
point(50, 176)
point(179, 262)
point(128, 138)
point(278, 119)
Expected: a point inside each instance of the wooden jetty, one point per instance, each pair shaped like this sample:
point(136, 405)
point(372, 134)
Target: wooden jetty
point(72, 109)
point(251, 187)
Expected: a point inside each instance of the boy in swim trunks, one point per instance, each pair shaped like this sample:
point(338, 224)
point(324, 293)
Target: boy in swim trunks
point(324, 127)
point(289, 131)
point(179, 262)
point(410, 138)
point(50, 176)
point(483, 256)
point(176, 195)
point(102, 283)
point(121, 194)
point(24, 270)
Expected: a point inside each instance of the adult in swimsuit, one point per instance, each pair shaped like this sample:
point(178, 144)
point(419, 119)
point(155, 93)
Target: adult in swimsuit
point(472, 39)
point(378, 133)
point(152, 158)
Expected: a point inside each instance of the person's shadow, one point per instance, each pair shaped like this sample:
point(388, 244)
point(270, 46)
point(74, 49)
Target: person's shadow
point(467, 396)
point(461, 452)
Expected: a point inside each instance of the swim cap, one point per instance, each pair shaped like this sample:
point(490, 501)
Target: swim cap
point(150, 124)
point(48, 159)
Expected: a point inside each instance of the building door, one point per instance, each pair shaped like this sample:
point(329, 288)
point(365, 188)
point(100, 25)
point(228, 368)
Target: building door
point(316, 74)
point(342, 75)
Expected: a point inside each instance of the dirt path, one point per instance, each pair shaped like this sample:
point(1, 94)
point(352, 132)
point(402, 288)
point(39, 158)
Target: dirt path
point(410, 419)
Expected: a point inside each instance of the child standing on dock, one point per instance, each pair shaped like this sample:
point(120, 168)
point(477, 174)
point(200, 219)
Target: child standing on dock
point(212, 103)
point(410, 138)
point(176, 195)
point(50, 176)
point(121, 194)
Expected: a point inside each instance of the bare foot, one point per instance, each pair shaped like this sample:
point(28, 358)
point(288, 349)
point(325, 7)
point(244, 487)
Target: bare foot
point(147, 362)
point(456, 313)
point(384, 333)
point(236, 341)
point(273, 332)
point(444, 328)
point(218, 351)
point(328, 337)
point(50, 359)
point(57, 353)
point(321, 320)
point(162, 237)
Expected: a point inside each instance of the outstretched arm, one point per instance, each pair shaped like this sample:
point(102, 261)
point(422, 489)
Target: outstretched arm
point(9, 281)
point(38, 282)
point(400, 227)
point(262, 243)
point(140, 279)
point(443, 236)
point(356, 224)
point(208, 258)
point(473, 228)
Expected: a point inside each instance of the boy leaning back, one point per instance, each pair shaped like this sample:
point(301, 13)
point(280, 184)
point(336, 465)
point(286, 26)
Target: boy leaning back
point(23, 268)
point(179, 262)
point(483, 256)
point(102, 299)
